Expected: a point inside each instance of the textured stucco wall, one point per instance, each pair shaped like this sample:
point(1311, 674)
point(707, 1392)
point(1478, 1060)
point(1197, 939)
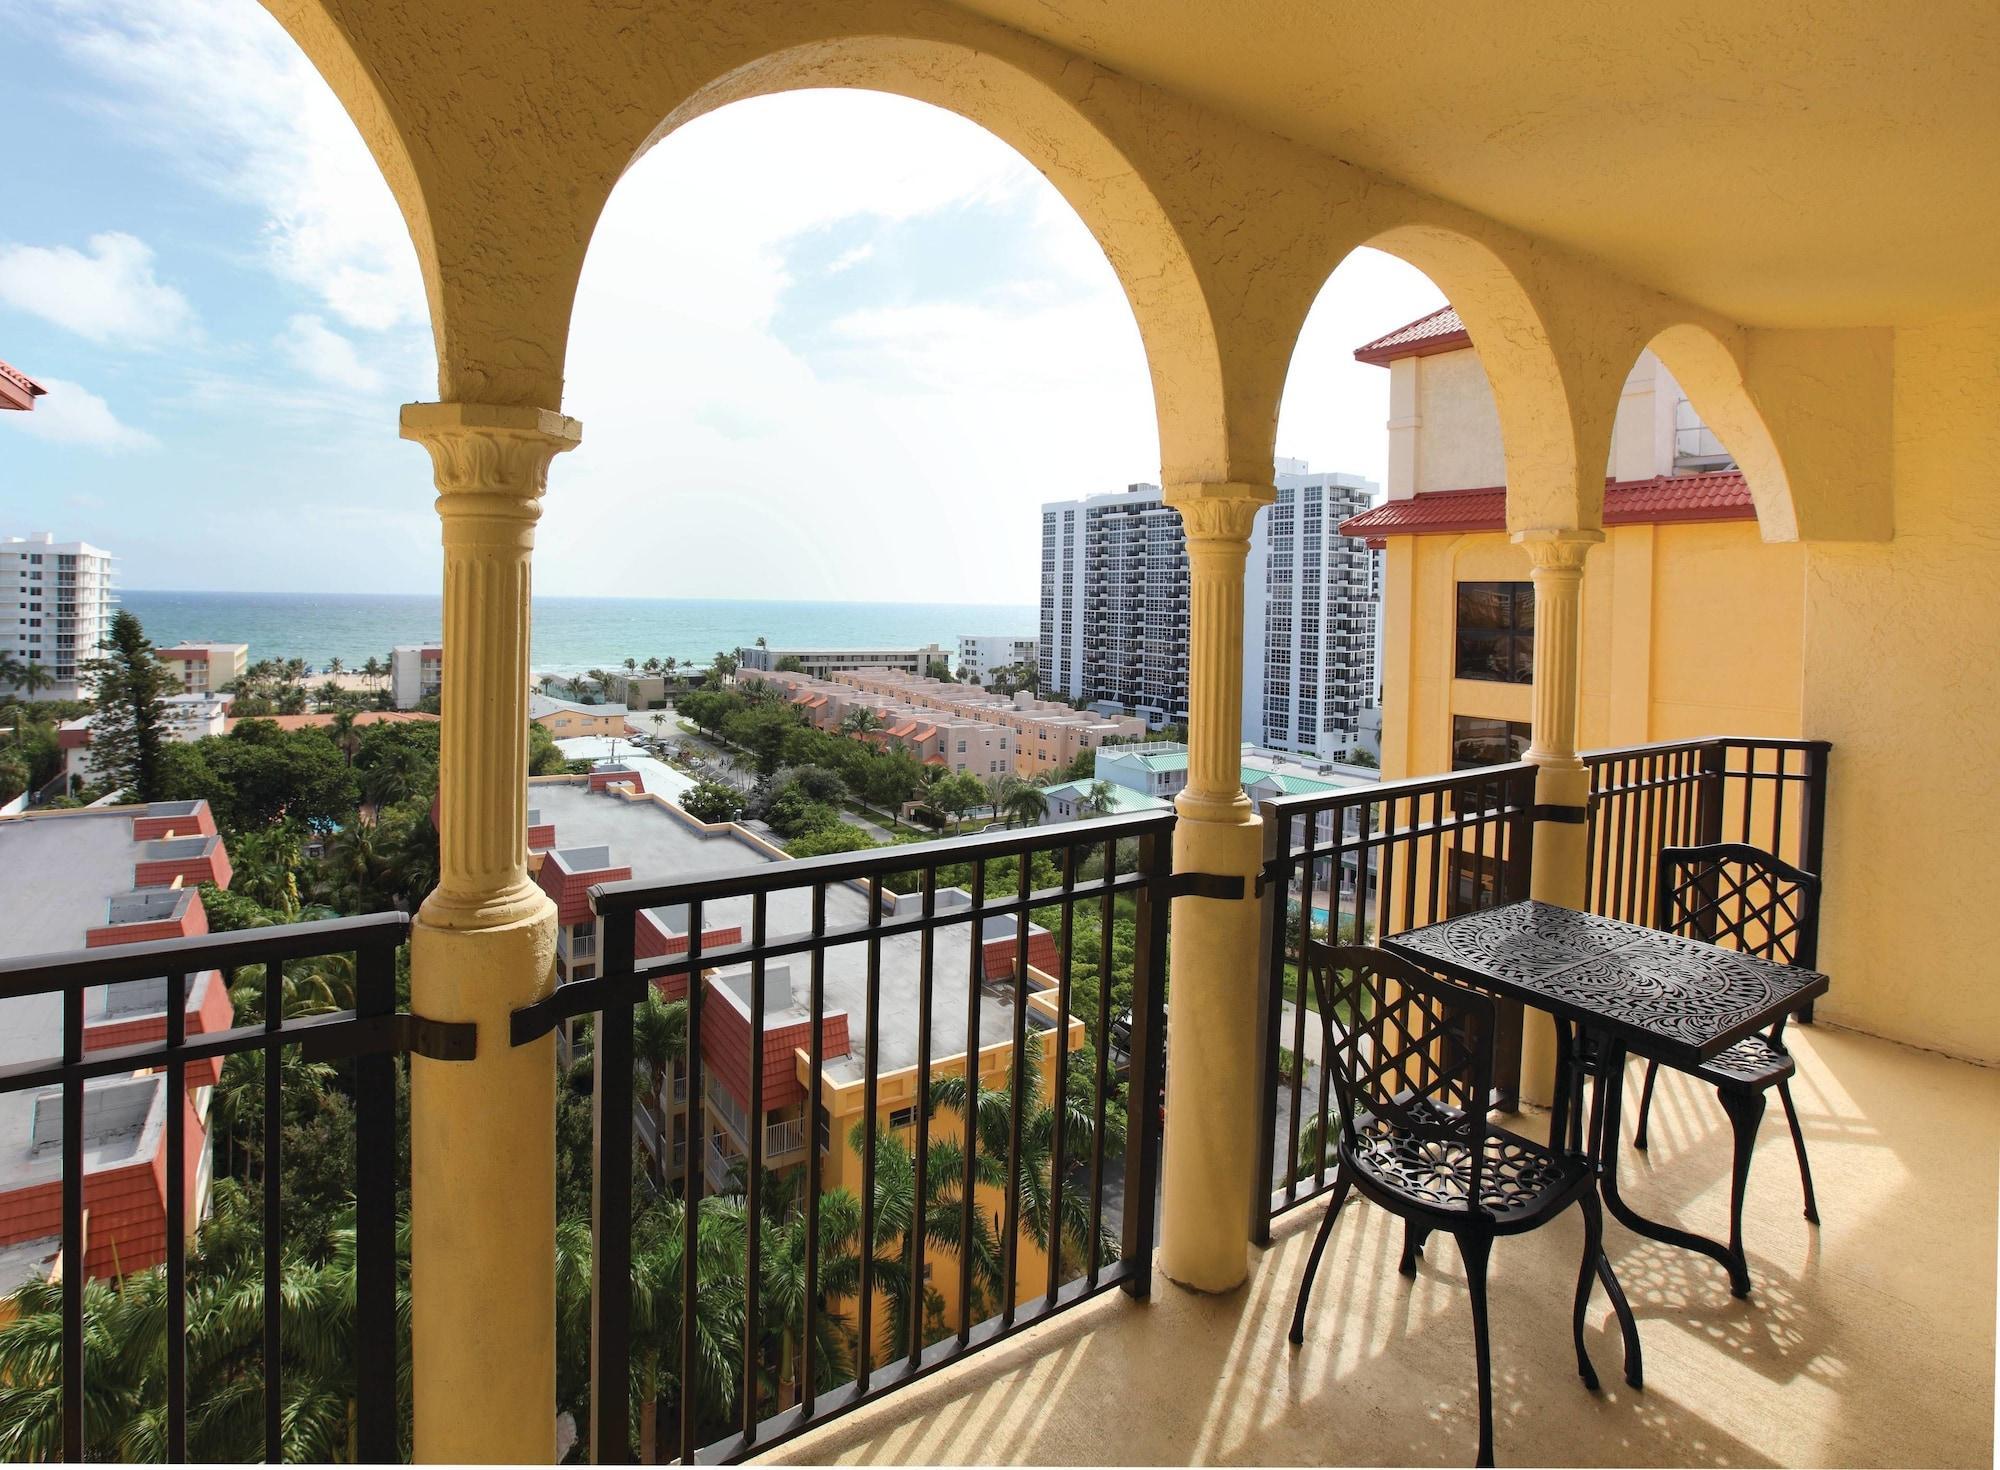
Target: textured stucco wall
point(1459, 445)
point(1902, 674)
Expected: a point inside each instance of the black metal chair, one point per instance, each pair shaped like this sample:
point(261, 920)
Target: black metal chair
point(1743, 898)
point(1413, 1070)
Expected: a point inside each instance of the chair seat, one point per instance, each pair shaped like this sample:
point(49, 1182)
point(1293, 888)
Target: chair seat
point(1520, 1181)
point(1753, 1062)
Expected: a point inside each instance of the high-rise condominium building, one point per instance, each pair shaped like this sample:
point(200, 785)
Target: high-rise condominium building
point(55, 608)
point(1114, 608)
point(1310, 599)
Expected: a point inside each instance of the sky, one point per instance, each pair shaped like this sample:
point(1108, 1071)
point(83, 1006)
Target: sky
point(827, 345)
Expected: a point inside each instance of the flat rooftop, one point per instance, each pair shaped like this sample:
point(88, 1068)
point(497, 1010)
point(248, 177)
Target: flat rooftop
point(660, 846)
point(66, 873)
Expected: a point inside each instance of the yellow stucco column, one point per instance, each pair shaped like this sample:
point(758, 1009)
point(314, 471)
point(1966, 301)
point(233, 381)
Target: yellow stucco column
point(1562, 786)
point(1211, 1135)
point(482, 1133)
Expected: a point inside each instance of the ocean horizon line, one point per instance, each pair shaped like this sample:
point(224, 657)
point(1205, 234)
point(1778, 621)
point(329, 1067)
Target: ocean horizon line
point(572, 634)
point(916, 602)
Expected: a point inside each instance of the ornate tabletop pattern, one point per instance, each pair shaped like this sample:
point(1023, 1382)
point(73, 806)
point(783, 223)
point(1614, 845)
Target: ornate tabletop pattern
point(1675, 999)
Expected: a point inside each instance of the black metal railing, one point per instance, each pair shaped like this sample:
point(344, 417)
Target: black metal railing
point(1354, 866)
point(1769, 793)
point(1039, 1161)
point(369, 1033)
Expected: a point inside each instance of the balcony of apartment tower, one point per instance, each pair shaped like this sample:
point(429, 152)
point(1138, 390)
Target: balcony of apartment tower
point(1662, 909)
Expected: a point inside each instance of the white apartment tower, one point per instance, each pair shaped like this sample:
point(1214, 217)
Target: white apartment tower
point(56, 603)
point(1114, 613)
point(1309, 616)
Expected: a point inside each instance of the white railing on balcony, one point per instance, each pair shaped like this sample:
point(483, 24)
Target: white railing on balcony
point(719, 1169)
point(788, 1137)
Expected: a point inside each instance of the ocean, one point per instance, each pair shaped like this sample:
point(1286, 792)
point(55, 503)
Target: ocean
point(571, 633)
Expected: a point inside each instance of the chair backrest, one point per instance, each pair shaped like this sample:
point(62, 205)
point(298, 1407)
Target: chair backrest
point(1740, 897)
point(1409, 1049)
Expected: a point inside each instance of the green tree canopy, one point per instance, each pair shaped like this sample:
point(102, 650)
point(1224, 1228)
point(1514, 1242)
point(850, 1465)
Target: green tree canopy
point(259, 774)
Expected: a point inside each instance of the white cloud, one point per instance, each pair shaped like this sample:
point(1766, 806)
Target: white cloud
point(318, 350)
point(107, 293)
point(904, 458)
point(220, 87)
point(847, 260)
point(70, 414)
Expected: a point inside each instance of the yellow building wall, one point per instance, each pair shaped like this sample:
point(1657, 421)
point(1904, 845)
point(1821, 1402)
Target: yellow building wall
point(1902, 674)
point(1688, 630)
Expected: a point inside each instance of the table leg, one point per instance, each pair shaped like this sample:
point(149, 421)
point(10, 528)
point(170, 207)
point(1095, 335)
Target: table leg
point(1604, 1128)
point(1560, 1103)
point(1611, 1094)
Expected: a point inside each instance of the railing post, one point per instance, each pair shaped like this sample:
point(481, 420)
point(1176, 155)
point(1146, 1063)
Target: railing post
point(482, 1134)
point(1712, 789)
point(1562, 783)
point(1270, 993)
point(1212, 1105)
point(1149, 1059)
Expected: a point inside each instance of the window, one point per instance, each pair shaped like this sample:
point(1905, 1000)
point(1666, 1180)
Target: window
point(1476, 741)
point(903, 1118)
point(1496, 631)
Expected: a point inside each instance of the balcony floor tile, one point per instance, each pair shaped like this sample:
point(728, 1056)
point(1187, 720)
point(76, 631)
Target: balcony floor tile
point(1869, 1341)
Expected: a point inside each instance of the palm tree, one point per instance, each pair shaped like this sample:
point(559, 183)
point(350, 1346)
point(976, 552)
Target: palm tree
point(401, 773)
point(341, 728)
point(335, 667)
point(658, 1249)
point(860, 720)
point(992, 1109)
point(892, 1271)
point(125, 1351)
point(631, 665)
point(659, 1035)
point(35, 677)
point(372, 670)
point(1026, 804)
point(782, 1296)
point(1097, 800)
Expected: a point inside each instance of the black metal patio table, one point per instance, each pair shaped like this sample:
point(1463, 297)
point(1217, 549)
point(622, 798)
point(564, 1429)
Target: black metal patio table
point(1614, 989)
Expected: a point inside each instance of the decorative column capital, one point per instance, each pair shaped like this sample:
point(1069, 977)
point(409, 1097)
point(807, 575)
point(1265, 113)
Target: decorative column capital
point(1557, 550)
point(491, 450)
point(1218, 510)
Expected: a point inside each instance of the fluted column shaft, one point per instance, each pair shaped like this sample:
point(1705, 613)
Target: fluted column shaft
point(1562, 786)
point(1211, 1134)
point(482, 1133)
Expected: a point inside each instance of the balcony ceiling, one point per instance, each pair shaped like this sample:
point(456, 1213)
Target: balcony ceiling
point(1783, 162)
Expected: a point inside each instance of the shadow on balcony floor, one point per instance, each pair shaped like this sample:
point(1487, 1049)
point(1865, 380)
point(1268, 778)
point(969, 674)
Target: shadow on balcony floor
point(1870, 1341)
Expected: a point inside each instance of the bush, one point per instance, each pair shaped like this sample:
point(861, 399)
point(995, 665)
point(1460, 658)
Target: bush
point(839, 837)
point(711, 801)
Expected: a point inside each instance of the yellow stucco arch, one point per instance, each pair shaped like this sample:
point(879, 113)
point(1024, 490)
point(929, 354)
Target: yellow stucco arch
point(1129, 224)
point(1709, 373)
point(1538, 424)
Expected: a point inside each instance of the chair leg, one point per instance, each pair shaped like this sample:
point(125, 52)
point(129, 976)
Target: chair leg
point(1414, 1236)
point(1799, 1147)
point(1645, 1106)
point(1474, 1246)
point(1340, 1188)
point(1593, 1247)
point(1746, 1111)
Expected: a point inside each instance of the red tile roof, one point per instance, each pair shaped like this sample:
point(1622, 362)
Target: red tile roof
point(1441, 331)
point(17, 389)
point(1721, 496)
